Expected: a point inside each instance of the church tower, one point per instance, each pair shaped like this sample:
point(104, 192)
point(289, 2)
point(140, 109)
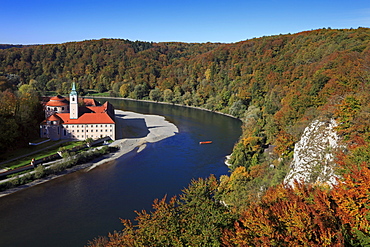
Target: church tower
point(73, 103)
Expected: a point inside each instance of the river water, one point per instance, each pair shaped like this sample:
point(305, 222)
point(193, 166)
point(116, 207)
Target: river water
point(76, 208)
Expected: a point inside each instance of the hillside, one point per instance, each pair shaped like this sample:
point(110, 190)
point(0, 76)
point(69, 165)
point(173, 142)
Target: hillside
point(277, 85)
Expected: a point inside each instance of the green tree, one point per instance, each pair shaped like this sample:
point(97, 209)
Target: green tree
point(168, 95)
point(89, 141)
point(25, 89)
point(53, 84)
point(39, 171)
point(238, 109)
point(125, 89)
point(187, 98)
point(116, 88)
point(155, 94)
point(140, 91)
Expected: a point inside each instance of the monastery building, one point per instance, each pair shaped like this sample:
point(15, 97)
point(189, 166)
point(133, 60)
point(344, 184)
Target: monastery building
point(67, 120)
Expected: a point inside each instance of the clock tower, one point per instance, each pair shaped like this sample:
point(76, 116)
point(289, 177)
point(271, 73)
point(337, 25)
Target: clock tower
point(73, 103)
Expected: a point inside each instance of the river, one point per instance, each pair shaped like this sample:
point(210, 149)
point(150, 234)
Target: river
point(73, 209)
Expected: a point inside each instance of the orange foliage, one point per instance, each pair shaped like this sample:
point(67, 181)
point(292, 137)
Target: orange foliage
point(352, 195)
point(290, 217)
point(284, 143)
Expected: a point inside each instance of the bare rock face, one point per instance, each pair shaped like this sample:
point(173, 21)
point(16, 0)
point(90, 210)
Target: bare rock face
point(313, 159)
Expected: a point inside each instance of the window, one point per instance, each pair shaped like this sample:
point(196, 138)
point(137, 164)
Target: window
point(55, 109)
point(62, 108)
point(87, 130)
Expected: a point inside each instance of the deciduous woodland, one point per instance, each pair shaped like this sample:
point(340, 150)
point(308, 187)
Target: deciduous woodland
point(276, 85)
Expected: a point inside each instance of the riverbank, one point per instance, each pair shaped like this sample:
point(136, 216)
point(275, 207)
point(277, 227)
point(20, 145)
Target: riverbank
point(133, 130)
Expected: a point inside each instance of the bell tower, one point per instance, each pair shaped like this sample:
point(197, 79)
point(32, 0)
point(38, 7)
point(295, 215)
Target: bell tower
point(73, 103)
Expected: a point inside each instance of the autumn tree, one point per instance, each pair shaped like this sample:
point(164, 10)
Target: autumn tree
point(353, 200)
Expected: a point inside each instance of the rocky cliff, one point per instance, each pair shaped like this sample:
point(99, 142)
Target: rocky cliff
point(313, 160)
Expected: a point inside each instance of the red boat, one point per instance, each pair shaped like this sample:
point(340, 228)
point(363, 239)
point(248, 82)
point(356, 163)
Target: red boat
point(205, 142)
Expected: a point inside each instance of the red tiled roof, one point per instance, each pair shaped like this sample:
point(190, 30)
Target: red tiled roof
point(97, 109)
point(53, 118)
point(90, 102)
point(58, 97)
point(57, 101)
point(87, 118)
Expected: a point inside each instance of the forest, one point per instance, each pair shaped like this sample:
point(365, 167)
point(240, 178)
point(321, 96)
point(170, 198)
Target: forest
point(276, 85)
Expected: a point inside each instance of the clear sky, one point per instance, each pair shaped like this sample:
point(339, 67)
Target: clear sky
point(59, 21)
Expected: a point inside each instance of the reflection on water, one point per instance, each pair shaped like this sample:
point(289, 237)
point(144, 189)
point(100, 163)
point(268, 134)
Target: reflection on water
point(75, 208)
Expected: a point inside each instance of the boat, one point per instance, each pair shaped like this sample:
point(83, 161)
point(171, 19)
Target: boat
point(205, 142)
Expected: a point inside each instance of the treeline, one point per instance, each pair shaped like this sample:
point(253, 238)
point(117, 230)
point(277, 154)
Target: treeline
point(95, 64)
point(277, 85)
point(7, 46)
point(20, 115)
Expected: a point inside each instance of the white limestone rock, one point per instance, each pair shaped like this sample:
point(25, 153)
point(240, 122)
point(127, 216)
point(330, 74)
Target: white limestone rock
point(313, 159)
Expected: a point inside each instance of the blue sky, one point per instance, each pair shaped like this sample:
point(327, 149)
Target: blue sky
point(59, 21)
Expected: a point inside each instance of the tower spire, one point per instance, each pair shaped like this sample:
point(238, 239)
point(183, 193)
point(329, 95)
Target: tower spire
point(73, 103)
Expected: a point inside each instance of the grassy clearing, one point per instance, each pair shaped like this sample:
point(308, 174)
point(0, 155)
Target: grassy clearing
point(26, 150)
point(41, 154)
